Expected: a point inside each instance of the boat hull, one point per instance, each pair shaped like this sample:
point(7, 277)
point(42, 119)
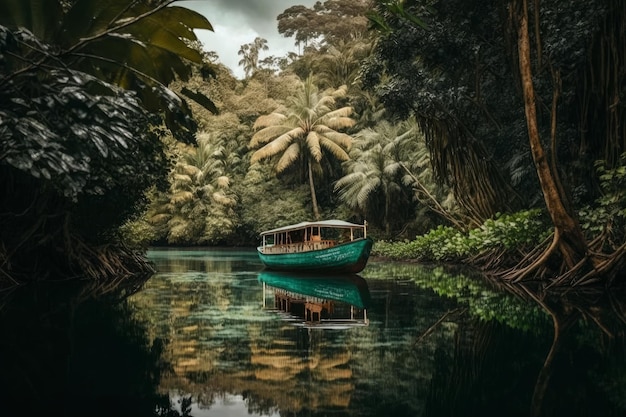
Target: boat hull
point(349, 257)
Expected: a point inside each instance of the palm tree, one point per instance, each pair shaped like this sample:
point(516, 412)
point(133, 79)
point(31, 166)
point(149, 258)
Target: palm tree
point(246, 61)
point(199, 196)
point(258, 45)
point(340, 65)
point(375, 171)
point(250, 55)
point(305, 131)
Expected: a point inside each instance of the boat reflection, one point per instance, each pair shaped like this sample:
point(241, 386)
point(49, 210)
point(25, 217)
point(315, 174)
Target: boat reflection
point(317, 301)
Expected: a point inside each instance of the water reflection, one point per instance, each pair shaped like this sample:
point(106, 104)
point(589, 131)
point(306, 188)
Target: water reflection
point(64, 353)
point(330, 302)
point(196, 340)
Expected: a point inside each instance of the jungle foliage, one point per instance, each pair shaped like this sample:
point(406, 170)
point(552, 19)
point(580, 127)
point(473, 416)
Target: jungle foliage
point(500, 87)
point(83, 104)
point(490, 130)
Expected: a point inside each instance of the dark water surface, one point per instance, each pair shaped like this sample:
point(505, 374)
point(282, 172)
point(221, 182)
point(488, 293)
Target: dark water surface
point(205, 337)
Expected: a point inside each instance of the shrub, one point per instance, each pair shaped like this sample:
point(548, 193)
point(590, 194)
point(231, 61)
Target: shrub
point(504, 233)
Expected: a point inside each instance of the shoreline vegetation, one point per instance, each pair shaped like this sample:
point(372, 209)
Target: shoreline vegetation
point(502, 150)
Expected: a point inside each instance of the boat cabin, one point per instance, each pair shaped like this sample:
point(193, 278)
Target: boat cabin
point(310, 236)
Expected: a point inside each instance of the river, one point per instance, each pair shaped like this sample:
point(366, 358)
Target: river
point(212, 334)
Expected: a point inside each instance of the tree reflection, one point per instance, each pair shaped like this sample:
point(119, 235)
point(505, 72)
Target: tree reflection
point(589, 330)
point(438, 343)
point(521, 351)
point(66, 352)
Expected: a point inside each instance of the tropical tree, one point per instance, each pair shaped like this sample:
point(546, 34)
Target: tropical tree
point(246, 61)
point(138, 46)
point(370, 179)
point(388, 165)
point(200, 207)
point(250, 55)
point(71, 137)
point(303, 132)
point(340, 63)
point(446, 95)
point(539, 88)
point(267, 202)
point(331, 20)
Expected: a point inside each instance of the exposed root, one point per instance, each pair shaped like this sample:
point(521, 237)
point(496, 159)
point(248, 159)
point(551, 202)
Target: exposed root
point(531, 262)
point(106, 267)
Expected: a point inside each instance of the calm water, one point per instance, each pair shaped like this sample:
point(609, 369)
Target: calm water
point(204, 337)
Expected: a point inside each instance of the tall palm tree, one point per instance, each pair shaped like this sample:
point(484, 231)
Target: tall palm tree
point(305, 131)
point(246, 59)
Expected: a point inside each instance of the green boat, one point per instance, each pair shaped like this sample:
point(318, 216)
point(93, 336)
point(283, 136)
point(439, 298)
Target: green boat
point(330, 246)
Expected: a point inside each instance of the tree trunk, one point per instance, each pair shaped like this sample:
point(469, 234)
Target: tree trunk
point(316, 211)
point(387, 204)
point(571, 242)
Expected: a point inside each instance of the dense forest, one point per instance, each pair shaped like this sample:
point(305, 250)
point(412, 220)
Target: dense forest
point(485, 133)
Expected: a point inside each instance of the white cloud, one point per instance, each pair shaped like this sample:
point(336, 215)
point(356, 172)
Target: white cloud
point(237, 22)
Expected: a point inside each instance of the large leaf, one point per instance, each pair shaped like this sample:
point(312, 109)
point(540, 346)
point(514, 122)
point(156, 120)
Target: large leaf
point(201, 99)
point(133, 44)
point(190, 18)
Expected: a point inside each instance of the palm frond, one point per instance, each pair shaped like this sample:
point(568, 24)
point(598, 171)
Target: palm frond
point(341, 139)
point(313, 144)
point(269, 120)
point(276, 146)
point(391, 169)
point(337, 151)
point(189, 170)
point(368, 188)
point(290, 155)
point(182, 178)
point(220, 198)
point(267, 134)
point(351, 178)
point(342, 112)
point(181, 197)
point(223, 181)
point(342, 91)
point(327, 102)
point(339, 122)
point(160, 218)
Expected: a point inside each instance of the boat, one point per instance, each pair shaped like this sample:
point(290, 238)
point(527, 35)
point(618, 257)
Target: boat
point(320, 301)
point(331, 246)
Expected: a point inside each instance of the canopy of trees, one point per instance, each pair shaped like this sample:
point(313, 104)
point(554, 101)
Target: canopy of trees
point(332, 20)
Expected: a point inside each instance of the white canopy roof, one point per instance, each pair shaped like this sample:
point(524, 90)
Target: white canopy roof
point(323, 223)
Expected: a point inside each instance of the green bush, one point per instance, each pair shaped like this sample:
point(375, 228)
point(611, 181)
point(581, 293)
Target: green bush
point(505, 232)
point(608, 216)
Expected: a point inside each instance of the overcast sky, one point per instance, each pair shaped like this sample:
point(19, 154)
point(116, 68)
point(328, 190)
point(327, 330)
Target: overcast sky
point(237, 22)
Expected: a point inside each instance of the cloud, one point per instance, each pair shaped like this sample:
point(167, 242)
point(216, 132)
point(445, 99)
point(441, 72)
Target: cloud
point(237, 22)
